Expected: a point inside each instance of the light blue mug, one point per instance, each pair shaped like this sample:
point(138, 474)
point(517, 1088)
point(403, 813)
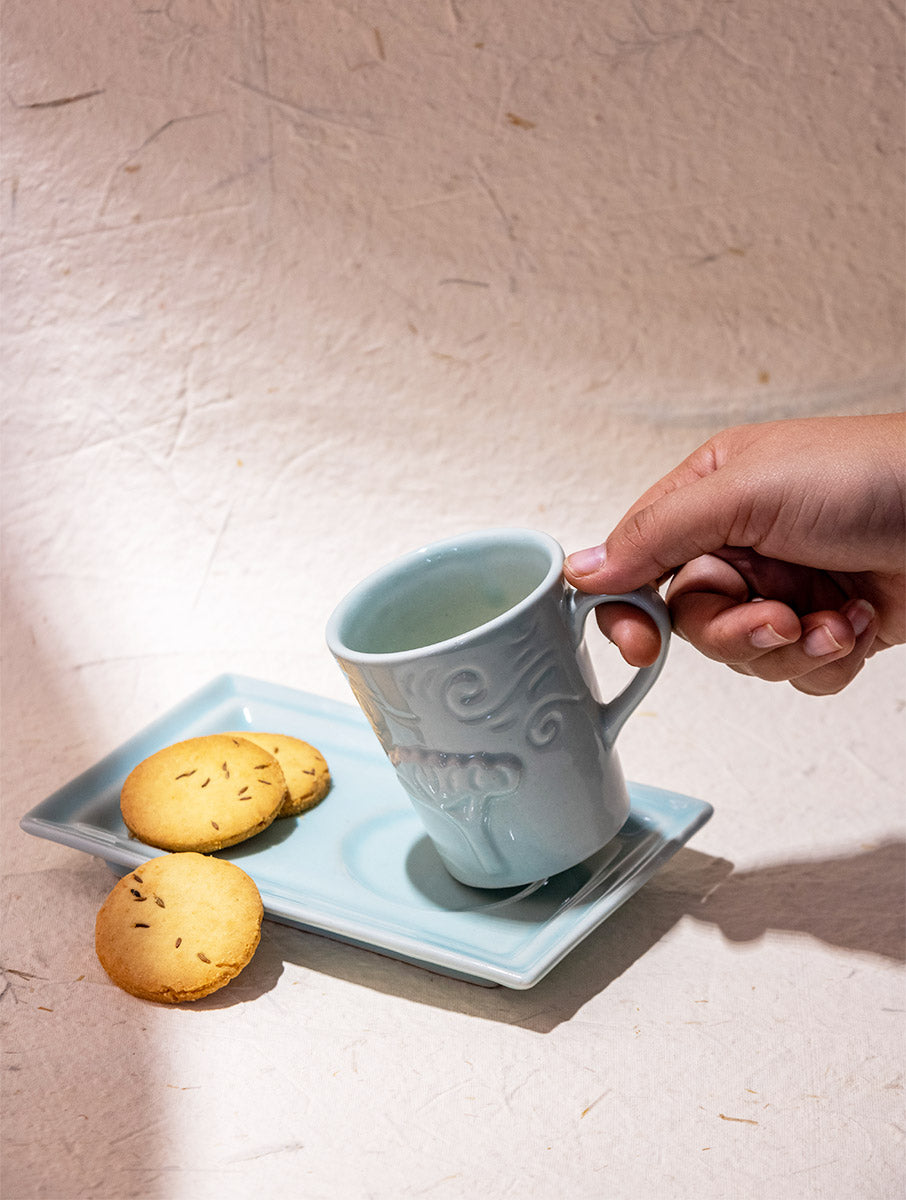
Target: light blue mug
point(467, 658)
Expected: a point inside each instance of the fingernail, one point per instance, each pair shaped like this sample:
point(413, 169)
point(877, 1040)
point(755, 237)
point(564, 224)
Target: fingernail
point(820, 641)
point(586, 562)
point(860, 615)
point(766, 637)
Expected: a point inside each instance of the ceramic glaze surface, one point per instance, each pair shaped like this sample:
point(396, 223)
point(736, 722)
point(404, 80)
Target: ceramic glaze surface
point(494, 734)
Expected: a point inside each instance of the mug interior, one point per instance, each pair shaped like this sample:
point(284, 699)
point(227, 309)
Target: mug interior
point(441, 593)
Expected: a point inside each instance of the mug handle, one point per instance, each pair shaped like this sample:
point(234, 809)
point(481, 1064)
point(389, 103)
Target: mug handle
point(577, 607)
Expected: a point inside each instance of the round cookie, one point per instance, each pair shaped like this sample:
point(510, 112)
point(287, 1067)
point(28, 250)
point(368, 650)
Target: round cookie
point(203, 794)
point(179, 927)
point(305, 768)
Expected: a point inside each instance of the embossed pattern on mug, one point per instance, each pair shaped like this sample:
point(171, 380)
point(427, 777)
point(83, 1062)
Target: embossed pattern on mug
point(467, 692)
point(463, 788)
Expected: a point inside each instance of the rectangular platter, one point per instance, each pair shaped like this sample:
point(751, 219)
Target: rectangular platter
point(358, 867)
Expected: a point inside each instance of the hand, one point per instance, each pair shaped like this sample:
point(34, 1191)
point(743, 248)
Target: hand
point(786, 542)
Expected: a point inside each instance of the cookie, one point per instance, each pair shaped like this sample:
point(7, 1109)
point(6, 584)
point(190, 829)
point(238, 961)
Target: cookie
point(179, 927)
point(203, 794)
point(305, 768)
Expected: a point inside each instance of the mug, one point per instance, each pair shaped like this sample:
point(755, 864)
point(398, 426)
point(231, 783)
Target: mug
point(467, 658)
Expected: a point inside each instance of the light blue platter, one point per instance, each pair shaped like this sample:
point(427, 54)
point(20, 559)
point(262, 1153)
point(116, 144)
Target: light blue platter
point(359, 867)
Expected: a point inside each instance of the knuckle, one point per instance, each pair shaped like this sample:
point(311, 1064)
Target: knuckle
point(639, 533)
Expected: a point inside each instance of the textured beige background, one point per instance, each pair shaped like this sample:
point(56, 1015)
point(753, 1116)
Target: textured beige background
point(291, 287)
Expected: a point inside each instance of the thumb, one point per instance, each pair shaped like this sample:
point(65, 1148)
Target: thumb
point(654, 539)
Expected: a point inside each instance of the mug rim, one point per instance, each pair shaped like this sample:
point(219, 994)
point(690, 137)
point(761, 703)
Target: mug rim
point(513, 534)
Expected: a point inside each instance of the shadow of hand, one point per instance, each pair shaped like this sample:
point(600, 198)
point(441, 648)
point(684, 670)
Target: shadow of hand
point(854, 901)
